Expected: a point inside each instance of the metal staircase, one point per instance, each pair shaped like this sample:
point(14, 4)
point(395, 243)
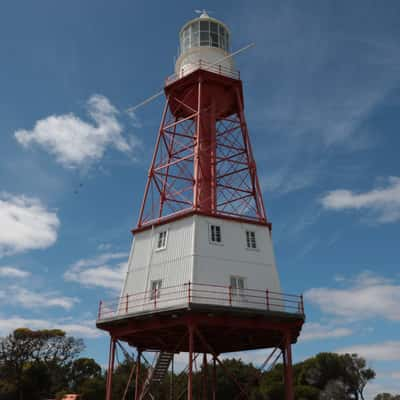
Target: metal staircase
point(156, 374)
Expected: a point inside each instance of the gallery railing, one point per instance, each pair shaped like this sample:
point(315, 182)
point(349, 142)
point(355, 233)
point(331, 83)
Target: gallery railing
point(197, 293)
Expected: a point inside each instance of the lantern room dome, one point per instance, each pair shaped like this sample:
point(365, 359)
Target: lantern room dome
point(204, 31)
point(205, 42)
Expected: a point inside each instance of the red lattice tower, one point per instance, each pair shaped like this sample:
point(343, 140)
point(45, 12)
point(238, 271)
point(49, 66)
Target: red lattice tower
point(180, 297)
point(203, 161)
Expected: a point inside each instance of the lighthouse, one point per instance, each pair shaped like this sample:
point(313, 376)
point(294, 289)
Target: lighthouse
point(202, 259)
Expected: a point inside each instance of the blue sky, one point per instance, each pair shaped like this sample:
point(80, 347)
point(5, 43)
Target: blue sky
point(322, 98)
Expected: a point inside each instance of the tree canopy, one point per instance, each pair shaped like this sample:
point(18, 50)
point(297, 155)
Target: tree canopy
point(387, 396)
point(35, 363)
point(45, 364)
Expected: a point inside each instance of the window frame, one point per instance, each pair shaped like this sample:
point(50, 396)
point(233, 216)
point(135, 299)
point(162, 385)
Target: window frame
point(237, 291)
point(164, 242)
point(200, 34)
point(251, 238)
point(210, 234)
point(155, 288)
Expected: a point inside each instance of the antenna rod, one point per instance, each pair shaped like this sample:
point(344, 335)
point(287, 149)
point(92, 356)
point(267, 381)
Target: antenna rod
point(144, 102)
point(151, 98)
point(233, 54)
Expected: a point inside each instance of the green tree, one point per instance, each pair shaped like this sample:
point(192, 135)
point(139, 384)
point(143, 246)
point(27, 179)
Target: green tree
point(387, 396)
point(35, 364)
point(358, 374)
point(82, 370)
point(334, 390)
point(324, 376)
point(246, 375)
point(93, 388)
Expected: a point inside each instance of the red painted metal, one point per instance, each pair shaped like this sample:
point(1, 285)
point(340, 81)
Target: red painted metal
point(189, 298)
point(288, 373)
point(202, 64)
point(259, 372)
point(204, 376)
point(214, 379)
point(186, 213)
point(199, 293)
point(238, 328)
point(228, 373)
point(190, 371)
point(203, 161)
point(137, 380)
point(128, 383)
point(140, 330)
point(110, 370)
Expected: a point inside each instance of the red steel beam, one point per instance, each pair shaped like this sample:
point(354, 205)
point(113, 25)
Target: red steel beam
point(110, 370)
point(138, 368)
point(289, 393)
point(190, 370)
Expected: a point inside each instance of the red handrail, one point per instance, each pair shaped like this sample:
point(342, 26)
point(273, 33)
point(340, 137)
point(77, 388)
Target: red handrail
point(201, 293)
point(201, 64)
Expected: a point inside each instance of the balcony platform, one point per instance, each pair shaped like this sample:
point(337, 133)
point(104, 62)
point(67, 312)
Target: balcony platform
point(228, 327)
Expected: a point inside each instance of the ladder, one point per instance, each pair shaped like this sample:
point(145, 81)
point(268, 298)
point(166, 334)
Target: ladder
point(156, 374)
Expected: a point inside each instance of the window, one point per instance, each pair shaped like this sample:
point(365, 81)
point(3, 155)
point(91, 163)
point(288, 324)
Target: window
point(204, 38)
point(214, 27)
point(251, 240)
point(215, 234)
point(237, 285)
point(162, 240)
point(186, 39)
point(221, 37)
point(204, 26)
point(214, 39)
point(194, 38)
point(155, 289)
point(206, 34)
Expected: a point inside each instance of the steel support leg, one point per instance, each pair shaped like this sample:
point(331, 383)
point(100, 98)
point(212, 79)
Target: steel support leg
point(110, 369)
point(214, 379)
point(205, 386)
point(190, 371)
point(172, 388)
point(287, 360)
point(227, 373)
point(137, 381)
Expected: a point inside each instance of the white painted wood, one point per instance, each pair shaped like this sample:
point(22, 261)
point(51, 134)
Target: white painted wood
point(190, 256)
point(189, 61)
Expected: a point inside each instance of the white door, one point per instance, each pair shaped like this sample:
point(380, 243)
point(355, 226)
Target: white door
point(238, 289)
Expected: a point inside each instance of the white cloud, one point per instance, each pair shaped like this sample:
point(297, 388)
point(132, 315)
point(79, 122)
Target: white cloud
point(384, 202)
point(25, 224)
point(75, 142)
point(317, 331)
point(34, 300)
point(100, 271)
point(12, 272)
point(366, 296)
point(284, 181)
point(385, 351)
point(85, 329)
point(104, 246)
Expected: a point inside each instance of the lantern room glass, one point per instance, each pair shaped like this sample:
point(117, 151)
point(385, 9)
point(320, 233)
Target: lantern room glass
point(204, 34)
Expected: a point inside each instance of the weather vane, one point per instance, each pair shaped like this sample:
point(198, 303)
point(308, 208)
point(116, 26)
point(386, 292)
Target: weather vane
point(203, 12)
